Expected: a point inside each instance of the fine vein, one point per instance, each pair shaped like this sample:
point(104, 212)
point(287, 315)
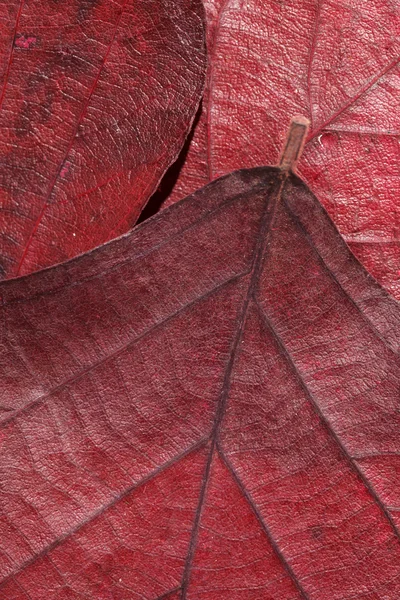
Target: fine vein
point(261, 522)
point(115, 500)
point(324, 420)
point(119, 350)
point(80, 118)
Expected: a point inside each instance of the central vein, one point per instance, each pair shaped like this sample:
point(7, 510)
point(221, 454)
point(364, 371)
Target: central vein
point(290, 155)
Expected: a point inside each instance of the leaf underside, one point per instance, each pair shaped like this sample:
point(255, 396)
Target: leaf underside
point(207, 407)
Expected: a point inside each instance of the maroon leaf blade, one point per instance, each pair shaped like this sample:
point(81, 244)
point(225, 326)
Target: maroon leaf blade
point(206, 407)
point(96, 99)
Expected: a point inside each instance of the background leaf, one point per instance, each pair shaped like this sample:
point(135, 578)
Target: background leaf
point(338, 64)
point(96, 100)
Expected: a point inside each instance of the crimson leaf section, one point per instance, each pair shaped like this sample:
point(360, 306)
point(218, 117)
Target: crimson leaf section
point(96, 99)
point(206, 407)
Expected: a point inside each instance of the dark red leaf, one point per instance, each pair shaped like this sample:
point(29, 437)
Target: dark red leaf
point(207, 407)
point(336, 62)
point(96, 100)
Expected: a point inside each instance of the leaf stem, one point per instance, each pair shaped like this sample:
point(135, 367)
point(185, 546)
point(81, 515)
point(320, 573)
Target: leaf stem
point(295, 139)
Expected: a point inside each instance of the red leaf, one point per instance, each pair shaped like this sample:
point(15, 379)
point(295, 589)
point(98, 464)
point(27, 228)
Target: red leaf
point(336, 63)
point(96, 100)
point(204, 408)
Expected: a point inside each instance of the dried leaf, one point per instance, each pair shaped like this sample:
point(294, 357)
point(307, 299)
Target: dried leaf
point(207, 408)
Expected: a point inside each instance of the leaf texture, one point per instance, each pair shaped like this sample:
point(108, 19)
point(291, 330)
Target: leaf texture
point(207, 407)
point(338, 64)
point(96, 99)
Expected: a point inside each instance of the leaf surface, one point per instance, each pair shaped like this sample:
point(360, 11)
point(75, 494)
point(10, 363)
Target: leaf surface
point(338, 64)
point(96, 99)
point(207, 407)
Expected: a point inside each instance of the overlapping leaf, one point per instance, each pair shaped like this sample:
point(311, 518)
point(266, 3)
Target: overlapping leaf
point(206, 408)
point(337, 63)
point(96, 99)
